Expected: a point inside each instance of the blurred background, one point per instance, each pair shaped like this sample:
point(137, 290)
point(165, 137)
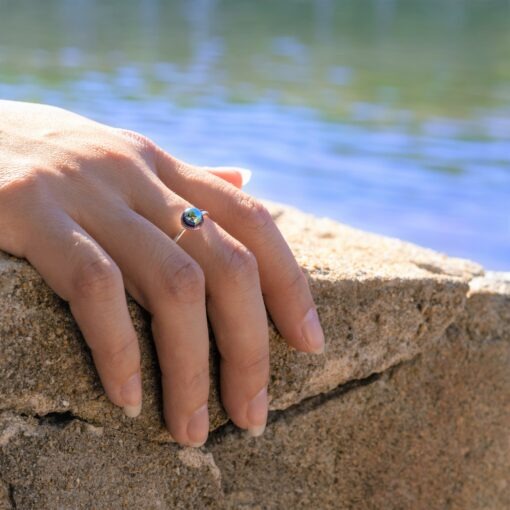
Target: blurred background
point(389, 115)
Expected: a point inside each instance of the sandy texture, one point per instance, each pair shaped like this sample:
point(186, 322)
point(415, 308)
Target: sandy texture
point(5, 501)
point(430, 433)
point(381, 301)
point(408, 408)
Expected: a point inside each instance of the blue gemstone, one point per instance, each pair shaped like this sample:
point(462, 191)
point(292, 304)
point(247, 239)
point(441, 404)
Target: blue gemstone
point(192, 218)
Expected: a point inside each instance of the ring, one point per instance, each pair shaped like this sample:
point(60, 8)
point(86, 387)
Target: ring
point(192, 218)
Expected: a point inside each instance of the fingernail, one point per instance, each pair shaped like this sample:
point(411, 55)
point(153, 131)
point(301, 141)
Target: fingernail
point(131, 394)
point(312, 332)
point(133, 411)
point(257, 413)
point(245, 175)
point(198, 427)
point(244, 172)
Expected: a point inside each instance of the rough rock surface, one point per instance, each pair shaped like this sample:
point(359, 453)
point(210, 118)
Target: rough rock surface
point(429, 433)
point(5, 500)
point(381, 301)
point(408, 408)
point(66, 464)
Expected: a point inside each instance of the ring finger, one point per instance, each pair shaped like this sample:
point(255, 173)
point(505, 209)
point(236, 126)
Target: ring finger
point(170, 285)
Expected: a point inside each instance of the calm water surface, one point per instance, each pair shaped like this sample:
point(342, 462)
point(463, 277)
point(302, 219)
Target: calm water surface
point(392, 116)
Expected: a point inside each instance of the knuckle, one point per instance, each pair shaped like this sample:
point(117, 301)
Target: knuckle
point(116, 351)
point(296, 281)
point(241, 264)
point(256, 362)
point(117, 157)
point(254, 214)
point(141, 142)
point(190, 382)
point(22, 184)
point(97, 278)
point(21, 197)
point(196, 382)
point(183, 285)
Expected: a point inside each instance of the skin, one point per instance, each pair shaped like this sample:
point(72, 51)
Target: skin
point(95, 209)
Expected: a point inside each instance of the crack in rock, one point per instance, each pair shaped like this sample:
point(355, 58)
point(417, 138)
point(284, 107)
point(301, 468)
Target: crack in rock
point(12, 499)
point(189, 456)
point(7, 501)
point(58, 419)
point(308, 404)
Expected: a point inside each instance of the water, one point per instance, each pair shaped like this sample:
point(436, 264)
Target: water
point(392, 116)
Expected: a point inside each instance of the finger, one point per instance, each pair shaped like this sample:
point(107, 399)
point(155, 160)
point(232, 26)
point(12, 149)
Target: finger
point(80, 271)
point(170, 284)
point(239, 177)
point(237, 315)
point(284, 285)
point(235, 308)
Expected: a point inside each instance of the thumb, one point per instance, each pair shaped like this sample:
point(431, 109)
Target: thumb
point(239, 177)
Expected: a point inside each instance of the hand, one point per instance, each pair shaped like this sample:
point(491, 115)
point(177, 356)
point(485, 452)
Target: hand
point(95, 210)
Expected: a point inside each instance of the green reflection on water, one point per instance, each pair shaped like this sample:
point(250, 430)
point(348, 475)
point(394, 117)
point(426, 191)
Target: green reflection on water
point(411, 58)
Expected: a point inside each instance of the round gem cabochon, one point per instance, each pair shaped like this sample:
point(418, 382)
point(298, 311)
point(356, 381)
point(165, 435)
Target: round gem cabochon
point(192, 217)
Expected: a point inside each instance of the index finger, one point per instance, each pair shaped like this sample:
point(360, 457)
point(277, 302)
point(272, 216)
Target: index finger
point(284, 286)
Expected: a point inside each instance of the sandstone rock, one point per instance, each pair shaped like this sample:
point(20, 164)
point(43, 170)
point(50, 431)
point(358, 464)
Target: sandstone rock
point(69, 464)
point(5, 502)
point(381, 301)
point(409, 408)
point(430, 433)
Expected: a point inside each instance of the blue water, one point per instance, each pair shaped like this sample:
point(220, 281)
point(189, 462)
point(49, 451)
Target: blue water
point(389, 118)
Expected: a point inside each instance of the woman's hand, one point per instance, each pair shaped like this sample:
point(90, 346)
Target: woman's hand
point(95, 209)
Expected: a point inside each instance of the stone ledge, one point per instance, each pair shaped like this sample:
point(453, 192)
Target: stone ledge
point(409, 408)
point(381, 301)
point(431, 432)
